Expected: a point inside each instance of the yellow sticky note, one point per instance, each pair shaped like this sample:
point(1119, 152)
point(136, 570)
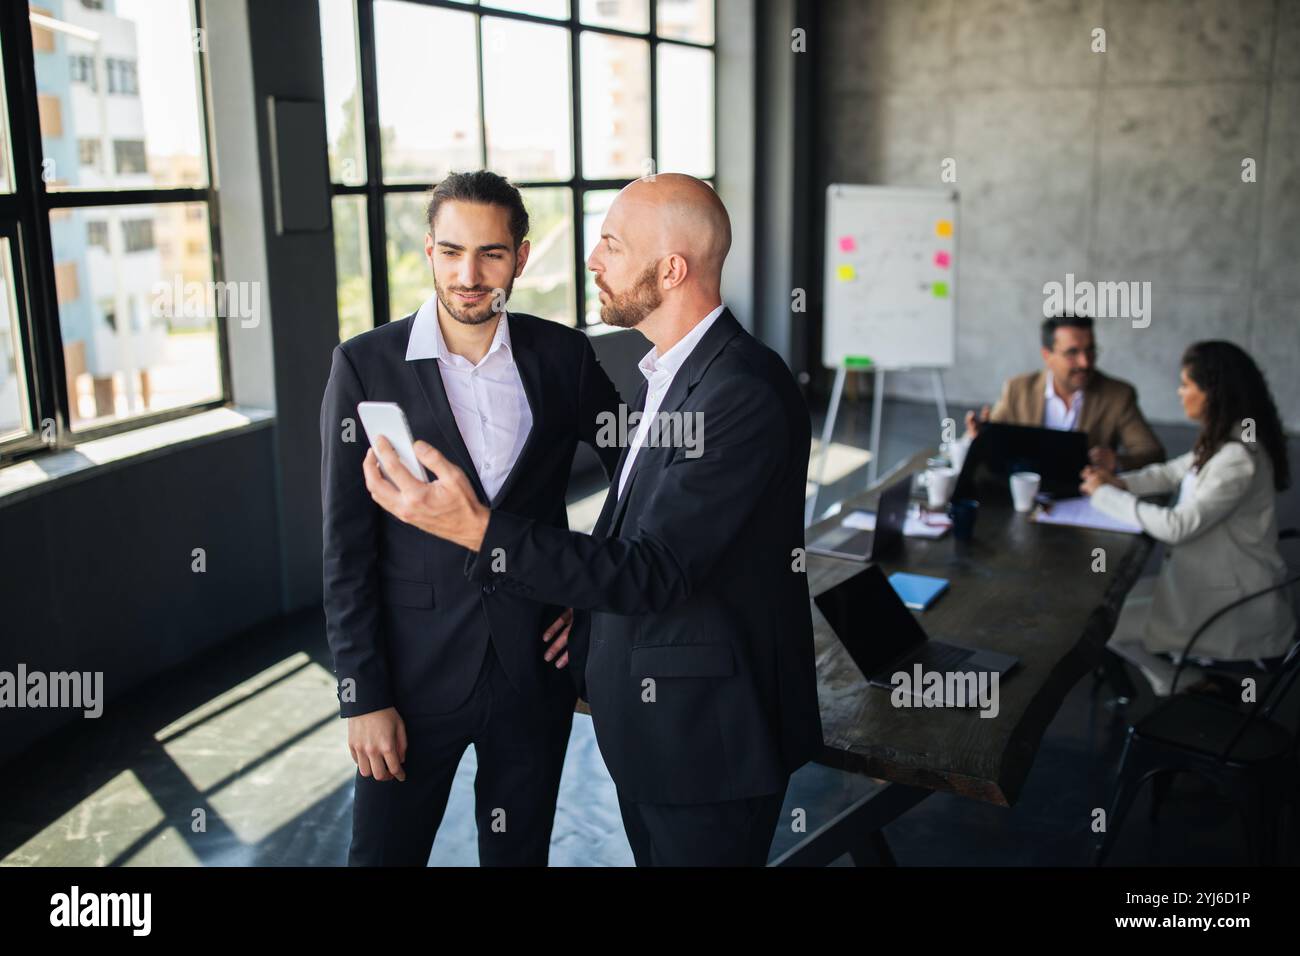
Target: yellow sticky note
point(846, 273)
point(943, 228)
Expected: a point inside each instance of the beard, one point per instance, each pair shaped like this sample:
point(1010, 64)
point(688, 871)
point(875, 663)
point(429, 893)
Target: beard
point(626, 309)
point(471, 314)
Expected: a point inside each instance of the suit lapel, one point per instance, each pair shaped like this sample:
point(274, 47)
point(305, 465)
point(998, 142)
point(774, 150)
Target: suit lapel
point(529, 364)
point(429, 377)
point(612, 496)
point(1091, 405)
point(1038, 400)
point(684, 382)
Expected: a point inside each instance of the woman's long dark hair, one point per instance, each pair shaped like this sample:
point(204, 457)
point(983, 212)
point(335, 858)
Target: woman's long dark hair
point(1234, 389)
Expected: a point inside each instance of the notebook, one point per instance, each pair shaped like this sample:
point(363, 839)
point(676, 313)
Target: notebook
point(918, 591)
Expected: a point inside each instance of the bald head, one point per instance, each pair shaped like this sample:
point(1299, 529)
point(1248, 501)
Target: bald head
point(658, 264)
point(674, 213)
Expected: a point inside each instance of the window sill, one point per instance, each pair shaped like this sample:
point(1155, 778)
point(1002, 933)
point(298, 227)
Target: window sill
point(33, 476)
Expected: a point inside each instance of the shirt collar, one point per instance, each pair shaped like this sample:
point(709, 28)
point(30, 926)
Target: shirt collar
point(1049, 392)
point(672, 360)
point(426, 340)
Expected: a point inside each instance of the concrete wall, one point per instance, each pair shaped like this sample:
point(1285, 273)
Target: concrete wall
point(1122, 165)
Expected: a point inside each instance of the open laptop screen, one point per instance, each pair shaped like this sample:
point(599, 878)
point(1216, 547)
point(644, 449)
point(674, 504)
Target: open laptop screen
point(870, 620)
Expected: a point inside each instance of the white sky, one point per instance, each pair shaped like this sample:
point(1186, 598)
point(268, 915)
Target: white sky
point(168, 86)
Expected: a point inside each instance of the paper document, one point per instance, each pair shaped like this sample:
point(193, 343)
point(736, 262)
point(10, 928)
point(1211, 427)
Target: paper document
point(913, 527)
point(1080, 513)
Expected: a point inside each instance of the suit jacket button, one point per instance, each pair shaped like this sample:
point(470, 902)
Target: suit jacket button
point(489, 588)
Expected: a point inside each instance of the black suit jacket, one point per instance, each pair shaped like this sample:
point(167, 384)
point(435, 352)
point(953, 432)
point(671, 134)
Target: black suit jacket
point(693, 581)
point(402, 619)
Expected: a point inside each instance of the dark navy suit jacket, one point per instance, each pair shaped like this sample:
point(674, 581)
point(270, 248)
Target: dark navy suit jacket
point(700, 670)
point(403, 621)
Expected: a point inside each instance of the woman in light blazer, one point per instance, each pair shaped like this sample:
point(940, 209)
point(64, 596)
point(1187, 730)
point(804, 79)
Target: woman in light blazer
point(1221, 529)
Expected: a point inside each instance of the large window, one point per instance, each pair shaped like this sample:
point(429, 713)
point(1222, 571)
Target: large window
point(571, 99)
point(108, 313)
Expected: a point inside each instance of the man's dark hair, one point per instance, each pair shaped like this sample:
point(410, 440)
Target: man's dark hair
point(1063, 322)
point(481, 187)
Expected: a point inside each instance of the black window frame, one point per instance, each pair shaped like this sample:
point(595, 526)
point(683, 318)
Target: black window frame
point(25, 218)
point(375, 190)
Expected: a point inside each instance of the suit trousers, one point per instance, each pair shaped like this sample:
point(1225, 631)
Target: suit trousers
point(730, 833)
point(520, 749)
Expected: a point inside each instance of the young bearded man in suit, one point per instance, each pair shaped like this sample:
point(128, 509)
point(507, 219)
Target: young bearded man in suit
point(1071, 394)
point(700, 668)
point(427, 660)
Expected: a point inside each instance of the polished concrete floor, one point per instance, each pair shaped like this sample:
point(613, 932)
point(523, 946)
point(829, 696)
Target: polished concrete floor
point(240, 759)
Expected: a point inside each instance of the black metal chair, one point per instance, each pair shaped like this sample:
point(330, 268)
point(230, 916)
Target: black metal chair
point(1249, 757)
point(1219, 667)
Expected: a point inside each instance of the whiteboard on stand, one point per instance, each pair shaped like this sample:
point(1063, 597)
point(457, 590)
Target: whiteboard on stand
point(891, 277)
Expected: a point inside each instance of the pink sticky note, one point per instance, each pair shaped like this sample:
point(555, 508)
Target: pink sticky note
point(941, 259)
point(847, 244)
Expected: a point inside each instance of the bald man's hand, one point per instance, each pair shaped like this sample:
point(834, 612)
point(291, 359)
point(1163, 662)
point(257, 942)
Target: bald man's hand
point(446, 507)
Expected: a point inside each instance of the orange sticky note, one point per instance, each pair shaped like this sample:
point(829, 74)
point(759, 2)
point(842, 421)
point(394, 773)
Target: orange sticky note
point(943, 228)
point(845, 274)
point(847, 244)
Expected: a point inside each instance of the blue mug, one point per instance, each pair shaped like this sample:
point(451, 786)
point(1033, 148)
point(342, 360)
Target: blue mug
point(963, 512)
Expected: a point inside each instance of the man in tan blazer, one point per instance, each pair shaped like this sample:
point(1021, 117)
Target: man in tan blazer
point(1071, 393)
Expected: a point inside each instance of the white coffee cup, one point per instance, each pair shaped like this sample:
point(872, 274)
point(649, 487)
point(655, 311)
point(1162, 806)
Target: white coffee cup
point(940, 483)
point(1024, 488)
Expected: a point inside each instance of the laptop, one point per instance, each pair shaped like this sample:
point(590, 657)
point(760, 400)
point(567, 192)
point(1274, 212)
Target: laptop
point(883, 637)
point(1001, 450)
point(856, 544)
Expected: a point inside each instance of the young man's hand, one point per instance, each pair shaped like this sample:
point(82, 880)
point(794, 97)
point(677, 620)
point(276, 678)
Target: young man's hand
point(377, 742)
point(560, 631)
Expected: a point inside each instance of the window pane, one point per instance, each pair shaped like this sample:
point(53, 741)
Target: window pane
point(410, 278)
point(529, 134)
point(685, 94)
point(134, 90)
point(594, 206)
point(685, 20)
point(343, 126)
point(137, 308)
point(615, 107)
point(352, 264)
point(428, 91)
point(6, 153)
point(15, 418)
point(555, 9)
point(546, 287)
point(620, 14)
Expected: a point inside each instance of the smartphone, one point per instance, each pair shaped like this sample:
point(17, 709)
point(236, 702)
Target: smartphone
point(388, 419)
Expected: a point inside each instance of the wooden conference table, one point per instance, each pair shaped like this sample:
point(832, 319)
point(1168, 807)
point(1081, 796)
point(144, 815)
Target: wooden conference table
point(1019, 587)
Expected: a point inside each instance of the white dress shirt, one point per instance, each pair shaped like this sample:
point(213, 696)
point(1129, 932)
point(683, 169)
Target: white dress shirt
point(488, 399)
point(1055, 412)
point(659, 371)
